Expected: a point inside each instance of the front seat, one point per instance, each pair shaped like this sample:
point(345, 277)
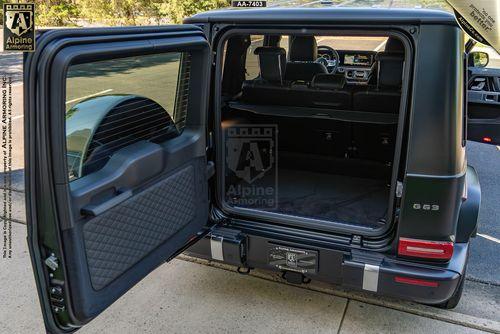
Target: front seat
point(301, 66)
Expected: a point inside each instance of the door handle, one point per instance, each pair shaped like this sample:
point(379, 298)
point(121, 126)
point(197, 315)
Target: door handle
point(490, 97)
point(97, 209)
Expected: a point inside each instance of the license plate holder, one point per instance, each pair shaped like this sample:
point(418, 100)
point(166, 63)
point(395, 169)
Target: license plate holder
point(300, 260)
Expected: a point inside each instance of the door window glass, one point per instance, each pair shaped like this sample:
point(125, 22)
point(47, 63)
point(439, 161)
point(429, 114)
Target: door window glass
point(114, 103)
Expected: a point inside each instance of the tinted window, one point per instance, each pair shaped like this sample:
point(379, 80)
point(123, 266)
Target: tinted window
point(114, 103)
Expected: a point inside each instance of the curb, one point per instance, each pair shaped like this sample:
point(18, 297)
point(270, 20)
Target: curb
point(399, 305)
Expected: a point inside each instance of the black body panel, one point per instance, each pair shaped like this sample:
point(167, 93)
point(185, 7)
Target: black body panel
point(325, 16)
point(469, 210)
point(436, 164)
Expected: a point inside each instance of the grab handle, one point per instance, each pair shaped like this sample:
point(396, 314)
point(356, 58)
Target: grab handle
point(97, 209)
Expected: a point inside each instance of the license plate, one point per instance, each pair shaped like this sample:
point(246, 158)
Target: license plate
point(248, 4)
point(293, 259)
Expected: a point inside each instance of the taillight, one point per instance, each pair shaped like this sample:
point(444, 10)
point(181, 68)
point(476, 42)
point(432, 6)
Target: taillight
point(487, 139)
point(425, 249)
point(416, 281)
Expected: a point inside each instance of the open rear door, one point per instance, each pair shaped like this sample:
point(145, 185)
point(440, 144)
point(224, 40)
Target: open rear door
point(483, 109)
point(116, 169)
point(483, 112)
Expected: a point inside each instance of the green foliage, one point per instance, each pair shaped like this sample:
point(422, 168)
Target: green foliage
point(1, 11)
point(118, 12)
point(55, 12)
point(177, 10)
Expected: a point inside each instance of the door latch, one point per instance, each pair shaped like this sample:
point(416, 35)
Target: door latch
point(399, 189)
point(52, 262)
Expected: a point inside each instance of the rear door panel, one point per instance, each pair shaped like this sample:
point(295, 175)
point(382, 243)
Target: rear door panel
point(483, 114)
point(133, 193)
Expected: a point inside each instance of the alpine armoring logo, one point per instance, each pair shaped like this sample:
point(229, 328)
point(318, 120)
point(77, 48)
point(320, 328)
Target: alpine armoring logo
point(251, 166)
point(19, 26)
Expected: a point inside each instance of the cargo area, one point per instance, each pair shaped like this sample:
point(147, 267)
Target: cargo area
point(314, 134)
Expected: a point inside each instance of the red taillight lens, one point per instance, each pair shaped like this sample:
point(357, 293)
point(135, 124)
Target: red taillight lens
point(487, 139)
point(415, 281)
point(425, 249)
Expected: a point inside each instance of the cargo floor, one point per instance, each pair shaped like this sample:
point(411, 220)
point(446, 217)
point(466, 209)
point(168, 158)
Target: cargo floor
point(338, 198)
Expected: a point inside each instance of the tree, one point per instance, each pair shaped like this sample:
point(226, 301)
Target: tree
point(55, 12)
point(118, 12)
point(177, 10)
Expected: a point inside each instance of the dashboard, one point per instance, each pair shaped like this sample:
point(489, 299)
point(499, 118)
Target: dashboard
point(357, 59)
point(357, 66)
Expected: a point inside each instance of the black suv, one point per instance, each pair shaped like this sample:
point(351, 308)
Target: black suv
point(326, 144)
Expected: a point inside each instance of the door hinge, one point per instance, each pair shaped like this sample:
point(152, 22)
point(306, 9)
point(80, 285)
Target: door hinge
point(52, 262)
point(399, 189)
point(57, 299)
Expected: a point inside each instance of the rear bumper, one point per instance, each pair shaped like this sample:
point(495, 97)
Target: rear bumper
point(428, 283)
point(422, 283)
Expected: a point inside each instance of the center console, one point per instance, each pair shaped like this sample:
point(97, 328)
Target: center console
point(357, 67)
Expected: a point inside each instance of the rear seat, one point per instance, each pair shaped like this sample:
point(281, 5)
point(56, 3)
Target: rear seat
point(335, 138)
point(375, 141)
point(328, 92)
point(386, 96)
point(302, 82)
point(270, 86)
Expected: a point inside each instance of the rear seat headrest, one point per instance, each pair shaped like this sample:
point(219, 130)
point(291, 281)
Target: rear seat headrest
point(390, 64)
point(272, 62)
point(390, 70)
point(394, 45)
point(328, 81)
point(303, 48)
point(269, 49)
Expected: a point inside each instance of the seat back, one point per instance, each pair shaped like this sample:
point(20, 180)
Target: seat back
point(390, 70)
point(301, 65)
point(272, 62)
point(386, 96)
point(376, 141)
point(270, 84)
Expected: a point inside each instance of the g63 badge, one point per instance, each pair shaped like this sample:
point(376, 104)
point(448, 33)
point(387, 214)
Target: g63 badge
point(19, 26)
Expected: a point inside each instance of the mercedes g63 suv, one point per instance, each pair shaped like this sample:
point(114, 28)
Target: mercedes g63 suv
point(327, 144)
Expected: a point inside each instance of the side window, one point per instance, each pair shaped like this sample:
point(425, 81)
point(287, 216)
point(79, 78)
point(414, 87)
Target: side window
point(252, 60)
point(114, 103)
point(284, 43)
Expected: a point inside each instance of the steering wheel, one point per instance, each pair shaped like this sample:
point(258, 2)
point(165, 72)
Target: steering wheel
point(334, 61)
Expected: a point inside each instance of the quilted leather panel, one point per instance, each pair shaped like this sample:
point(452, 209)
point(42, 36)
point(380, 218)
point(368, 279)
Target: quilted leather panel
point(122, 236)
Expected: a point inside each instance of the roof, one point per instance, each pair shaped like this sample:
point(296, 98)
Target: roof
point(325, 15)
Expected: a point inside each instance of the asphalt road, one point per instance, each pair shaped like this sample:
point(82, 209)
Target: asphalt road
point(484, 262)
